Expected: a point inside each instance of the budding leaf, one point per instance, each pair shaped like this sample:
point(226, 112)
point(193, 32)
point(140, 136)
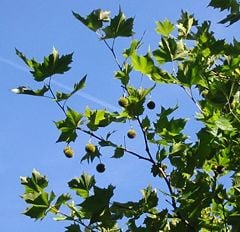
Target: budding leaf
point(164, 28)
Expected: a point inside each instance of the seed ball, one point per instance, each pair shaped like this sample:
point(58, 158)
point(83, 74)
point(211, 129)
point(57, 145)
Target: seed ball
point(68, 152)
point(151, 105)
point(90, 148)
point(100, 168)
point(131, 134)
point(123, 102)
point(220, 169)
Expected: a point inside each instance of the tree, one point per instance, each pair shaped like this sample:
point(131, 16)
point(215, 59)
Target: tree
point(188, 56)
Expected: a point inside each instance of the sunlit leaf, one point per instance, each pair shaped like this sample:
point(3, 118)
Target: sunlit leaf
point(164, 28)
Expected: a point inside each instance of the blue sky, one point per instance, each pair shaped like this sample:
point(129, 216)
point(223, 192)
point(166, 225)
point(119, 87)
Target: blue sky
point(28, 135)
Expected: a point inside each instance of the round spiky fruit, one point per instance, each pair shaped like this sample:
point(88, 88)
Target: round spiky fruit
point(131, 134)
point(123, 102)
point(220, 169)
point(151, 105)
point(100, 168)
point(68, 152)
point(90, 148)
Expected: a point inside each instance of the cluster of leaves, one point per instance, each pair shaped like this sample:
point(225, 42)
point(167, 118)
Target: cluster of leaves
point(229, 5)
point(198, 198)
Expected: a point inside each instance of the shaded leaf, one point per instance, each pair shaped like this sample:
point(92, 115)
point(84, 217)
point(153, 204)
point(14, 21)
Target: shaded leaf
point(73, 228)
point(92, 21)
point(52, 64)
point(118, 153)
point(82, 185)
point(119, 27)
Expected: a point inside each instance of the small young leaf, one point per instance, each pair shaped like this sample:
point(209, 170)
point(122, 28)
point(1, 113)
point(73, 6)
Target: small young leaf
point(118, 153)
point(164, 28)
point(73, 228)
point(28, 91)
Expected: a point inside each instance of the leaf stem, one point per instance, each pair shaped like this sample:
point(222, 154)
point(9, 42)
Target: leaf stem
point(54, 97)
point(125, 149)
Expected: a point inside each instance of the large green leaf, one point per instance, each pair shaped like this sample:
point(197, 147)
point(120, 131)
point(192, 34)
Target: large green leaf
point(92, 21)
point(184, 25)
point(35, 196)
point(69, 126)
point(143, 64)
point(164, 28)
point(119, 27)
point(52, 64)
point(169, 50)
point(73, 228)
point(82, 185)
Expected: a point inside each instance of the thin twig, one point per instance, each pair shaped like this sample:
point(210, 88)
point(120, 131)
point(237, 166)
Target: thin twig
point(113, 53)
point(54, 97)
point(145, 141)
point(190, 94)
point(125, 149)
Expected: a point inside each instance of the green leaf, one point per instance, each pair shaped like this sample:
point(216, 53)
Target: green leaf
point(73, 228)
point(79, 85)
point(150, 197)
point(35, 196)
point(52, 64)
point(169, 50)
point(28, 91)
point(92, 21)
point(135, 44)
point(225, 4)
point(170, 129)
point(82, 185)
point(69, 126)
point(123, 74)
point(96, 205)
point(143, 64)
point(224, 124)
point(35, 183)
point(177, 148)
point(164, 28)
point(90, 156)
point(184, 25)
point(62, 199)
point(118, 153)
point(99, 118)
point(60, 96)
point(119, 27)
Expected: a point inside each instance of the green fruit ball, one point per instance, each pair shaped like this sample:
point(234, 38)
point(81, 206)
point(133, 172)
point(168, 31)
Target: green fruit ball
point(68, 152)
point(131, 134)
point(100, 168)
point(123, 102)
point(90, 148)
point(151, 105)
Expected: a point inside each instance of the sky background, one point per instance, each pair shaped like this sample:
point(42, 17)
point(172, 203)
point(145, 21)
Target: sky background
point(28, 134)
